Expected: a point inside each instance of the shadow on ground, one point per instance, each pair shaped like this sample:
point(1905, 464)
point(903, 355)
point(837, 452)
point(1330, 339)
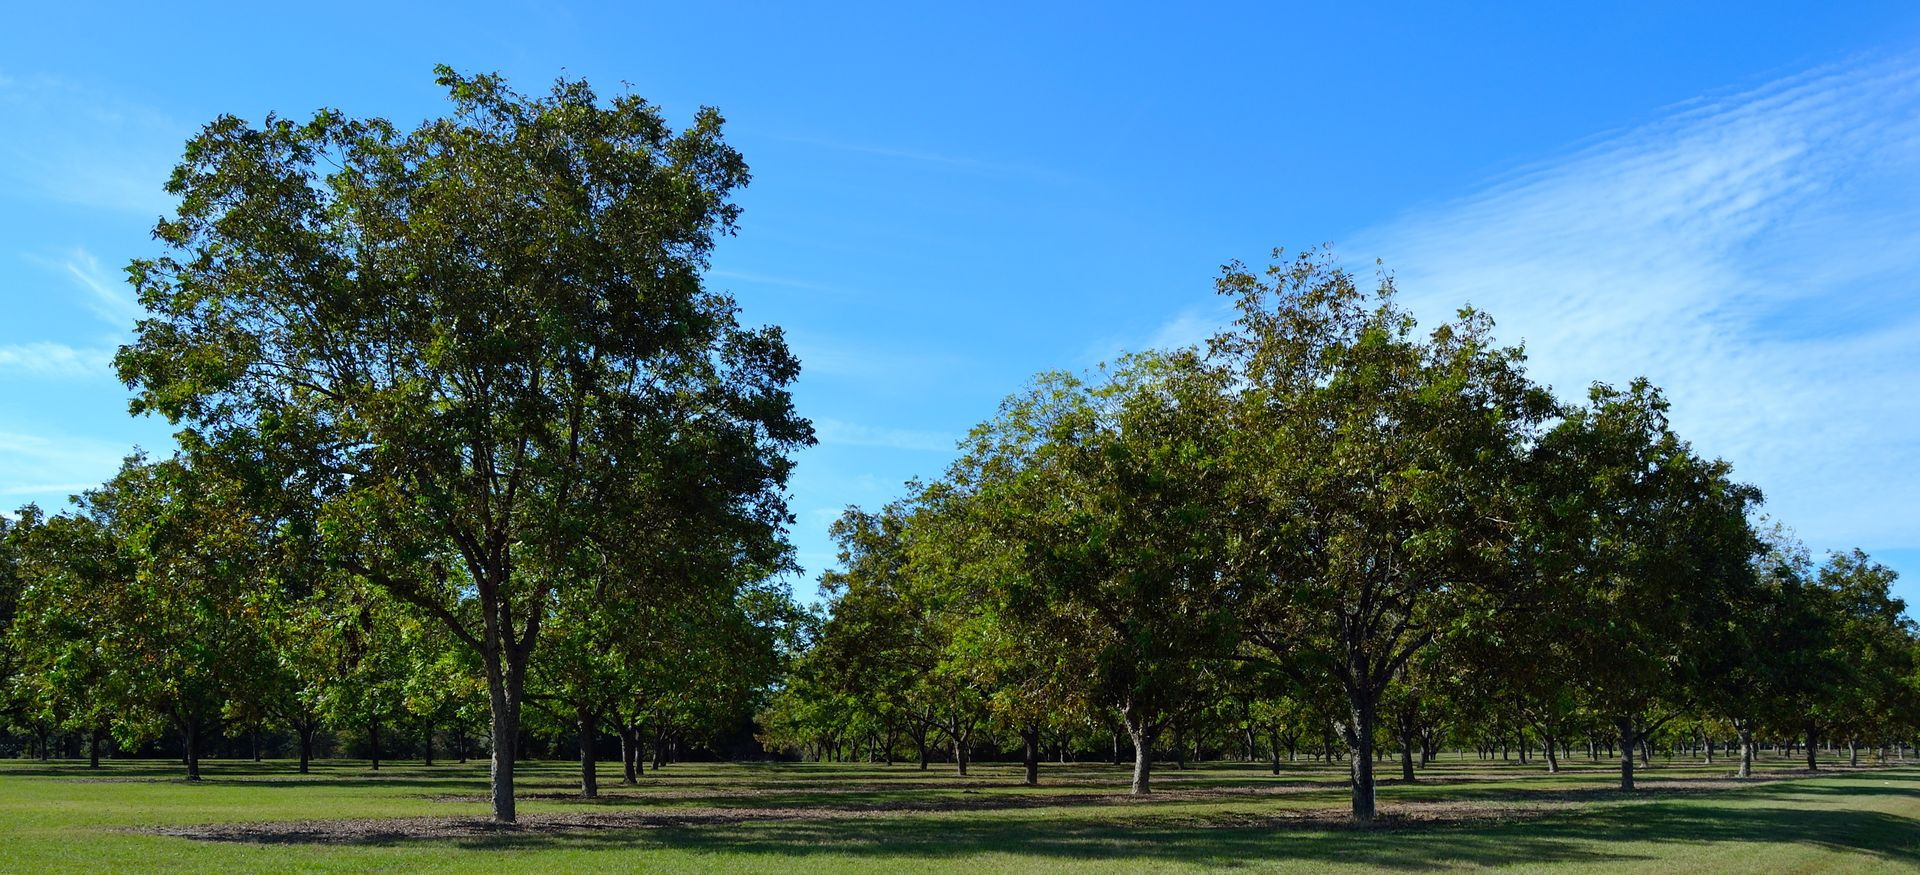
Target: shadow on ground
point(1482, 827)
point(1589, 837)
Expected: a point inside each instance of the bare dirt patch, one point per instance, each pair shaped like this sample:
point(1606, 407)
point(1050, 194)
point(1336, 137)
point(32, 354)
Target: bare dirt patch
point(413, 828)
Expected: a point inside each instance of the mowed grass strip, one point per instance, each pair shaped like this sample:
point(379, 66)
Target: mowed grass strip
point(693, 817)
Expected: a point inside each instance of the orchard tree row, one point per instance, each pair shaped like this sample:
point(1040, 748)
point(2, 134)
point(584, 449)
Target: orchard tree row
point(459, 422)
point(162, 610)
point(1329, 526)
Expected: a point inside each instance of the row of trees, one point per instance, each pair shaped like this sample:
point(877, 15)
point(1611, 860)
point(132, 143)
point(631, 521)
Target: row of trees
point(161, 608)
point(459, 420)
point(1328, 521)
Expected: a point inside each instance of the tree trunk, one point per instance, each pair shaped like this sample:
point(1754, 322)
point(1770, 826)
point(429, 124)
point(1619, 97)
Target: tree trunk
point(1627, 745)
point(1359, 732)
point(427, 746)
point(93, 748)
point(1553, 757)
point(373, 738)
point(1746, 751)
point(1180, 746)
point(1273, 748)
point(254, 731)
point(190, 740)
point(1031, 736)
point(305, 729)
point(1142, 756)
point(1813, 750)
point(503, 700)
point(629, 754)
point(588, 724)
point(1406, 753)
point(1853, 752)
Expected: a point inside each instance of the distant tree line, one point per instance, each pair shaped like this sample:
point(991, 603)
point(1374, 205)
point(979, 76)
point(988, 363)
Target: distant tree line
point(1327, 530)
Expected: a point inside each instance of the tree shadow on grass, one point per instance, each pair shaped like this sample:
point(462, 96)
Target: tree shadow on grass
point(1606, 836)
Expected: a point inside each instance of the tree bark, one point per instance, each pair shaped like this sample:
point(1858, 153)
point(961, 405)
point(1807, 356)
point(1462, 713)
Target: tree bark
point(190, 739)
point(1746, 751)
point(1627, 744)
point(503, 699)
point(305, 730)
point(1030, 735)
point(629, 754)
point(1813, 750)
point(1142, 738)
point(1360, 742)
point(373, 737)
point(427, 745)
point(1273, 748)
point(588, 724)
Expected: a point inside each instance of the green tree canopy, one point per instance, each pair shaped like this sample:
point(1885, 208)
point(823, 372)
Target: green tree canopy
point(481, 340)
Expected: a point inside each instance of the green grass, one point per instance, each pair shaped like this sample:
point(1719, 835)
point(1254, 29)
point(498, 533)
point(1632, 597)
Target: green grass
point(841, 818)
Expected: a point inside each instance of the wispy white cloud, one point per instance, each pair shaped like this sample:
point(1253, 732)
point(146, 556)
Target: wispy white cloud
point(49, 468)
point(62, 141)
point(47, 488)
point(853, 434)
point(1189, 328)
point(898, 363)
point(102, 292)
point(23, 451)
point(957, 163)
point(106, 295)
point(47, 359)
point(1753, 254)
point(770, 280)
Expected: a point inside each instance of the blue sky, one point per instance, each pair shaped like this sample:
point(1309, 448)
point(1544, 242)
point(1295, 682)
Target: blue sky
point(1723, 197)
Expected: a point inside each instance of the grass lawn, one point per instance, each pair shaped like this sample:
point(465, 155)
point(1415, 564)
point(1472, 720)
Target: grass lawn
point(834, 817)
